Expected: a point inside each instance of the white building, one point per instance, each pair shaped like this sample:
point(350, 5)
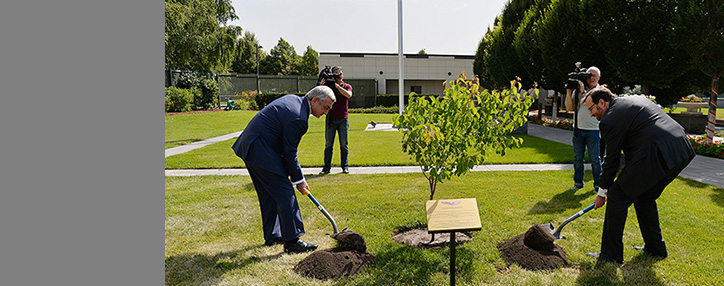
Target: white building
point(424, 74)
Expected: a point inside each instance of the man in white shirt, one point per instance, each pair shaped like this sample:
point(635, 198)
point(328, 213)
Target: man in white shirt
point(585, 132)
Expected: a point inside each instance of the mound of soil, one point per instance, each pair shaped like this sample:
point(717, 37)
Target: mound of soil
point(349, 257)
point(419, 237)
point(533, 250)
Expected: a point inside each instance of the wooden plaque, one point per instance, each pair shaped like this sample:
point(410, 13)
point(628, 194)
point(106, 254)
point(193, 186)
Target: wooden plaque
point(452, 215)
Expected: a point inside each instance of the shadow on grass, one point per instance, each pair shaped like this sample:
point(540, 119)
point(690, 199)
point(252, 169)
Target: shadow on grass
point(200, 269)
point(562, 201)
point(177, 143)
point(407, 265)
point(718, 195)
point(638, 271)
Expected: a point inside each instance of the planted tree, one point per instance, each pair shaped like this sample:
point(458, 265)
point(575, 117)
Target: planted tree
point(449, 135)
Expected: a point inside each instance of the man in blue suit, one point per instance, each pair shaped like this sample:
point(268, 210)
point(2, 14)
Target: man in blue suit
point(268, 146)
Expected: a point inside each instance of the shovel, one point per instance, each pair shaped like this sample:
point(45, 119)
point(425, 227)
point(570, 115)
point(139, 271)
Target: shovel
point(556, 232)
point(324, 211)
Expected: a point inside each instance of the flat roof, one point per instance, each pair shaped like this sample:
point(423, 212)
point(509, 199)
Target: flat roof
point(413, 56)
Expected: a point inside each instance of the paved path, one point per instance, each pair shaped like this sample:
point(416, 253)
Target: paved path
point(702, 169)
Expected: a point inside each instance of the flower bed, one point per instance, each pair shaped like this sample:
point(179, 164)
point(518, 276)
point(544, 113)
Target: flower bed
point(561, 123)
point(716, 149)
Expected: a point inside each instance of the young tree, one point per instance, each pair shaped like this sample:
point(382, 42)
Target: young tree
point(448, 136)
point(196, 35)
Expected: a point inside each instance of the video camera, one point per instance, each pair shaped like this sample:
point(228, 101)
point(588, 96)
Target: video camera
point(330, 78)
point(577, 74)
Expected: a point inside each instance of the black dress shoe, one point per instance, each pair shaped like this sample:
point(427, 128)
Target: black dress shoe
point(274, 241)
point(298, 246)
point(324, 172)
point(345, 170)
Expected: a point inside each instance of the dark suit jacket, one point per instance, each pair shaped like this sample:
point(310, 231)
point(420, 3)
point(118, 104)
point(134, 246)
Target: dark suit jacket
point(271, 138)
point(652, 143)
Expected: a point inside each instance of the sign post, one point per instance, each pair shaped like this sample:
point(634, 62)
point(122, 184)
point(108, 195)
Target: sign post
point(452, 216)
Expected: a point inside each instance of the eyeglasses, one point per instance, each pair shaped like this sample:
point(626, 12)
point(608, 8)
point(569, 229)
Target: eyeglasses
point(590, 109)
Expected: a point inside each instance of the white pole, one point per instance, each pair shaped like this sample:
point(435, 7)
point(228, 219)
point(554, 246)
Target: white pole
point(401, 56)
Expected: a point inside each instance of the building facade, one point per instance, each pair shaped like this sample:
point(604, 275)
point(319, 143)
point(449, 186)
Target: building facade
point(424, 74)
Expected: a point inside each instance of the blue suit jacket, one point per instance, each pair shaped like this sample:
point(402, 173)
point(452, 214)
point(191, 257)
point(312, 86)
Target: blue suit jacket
point(271, 138)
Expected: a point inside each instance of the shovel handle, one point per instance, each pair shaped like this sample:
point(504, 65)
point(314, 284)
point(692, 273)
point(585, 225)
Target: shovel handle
point(575, 216)
point(324, 211)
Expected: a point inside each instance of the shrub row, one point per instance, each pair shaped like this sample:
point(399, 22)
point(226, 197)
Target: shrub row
point(202, 86)
point(389, 100)
point(180, 99)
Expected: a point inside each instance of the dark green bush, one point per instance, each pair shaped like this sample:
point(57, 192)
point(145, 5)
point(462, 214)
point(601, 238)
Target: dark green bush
point(208, 97)
point(376, 109)
point(263, 99)
point(389, 100)
point(207, 85)
point(179, 99)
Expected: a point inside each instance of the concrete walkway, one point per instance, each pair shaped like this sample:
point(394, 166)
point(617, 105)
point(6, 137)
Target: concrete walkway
point(702, 169)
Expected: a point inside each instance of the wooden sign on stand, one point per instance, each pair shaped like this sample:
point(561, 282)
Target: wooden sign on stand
point(451, 216)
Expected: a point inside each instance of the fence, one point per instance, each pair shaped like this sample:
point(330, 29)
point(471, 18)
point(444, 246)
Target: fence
point(363, 90)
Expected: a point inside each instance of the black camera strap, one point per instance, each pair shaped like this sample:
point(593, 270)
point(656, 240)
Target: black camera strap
point(576, 102)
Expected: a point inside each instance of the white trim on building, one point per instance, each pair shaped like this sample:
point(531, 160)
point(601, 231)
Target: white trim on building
point(424, 74)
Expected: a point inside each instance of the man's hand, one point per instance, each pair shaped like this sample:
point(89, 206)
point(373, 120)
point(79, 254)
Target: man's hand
point(303, 188)
point(600, 201)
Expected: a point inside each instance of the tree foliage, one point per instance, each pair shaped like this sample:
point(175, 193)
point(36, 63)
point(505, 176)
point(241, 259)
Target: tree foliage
point(245, 54)
point(634, 38)
point(448, 136)
point(282, 60)
point(309, 63)
point(196, 35)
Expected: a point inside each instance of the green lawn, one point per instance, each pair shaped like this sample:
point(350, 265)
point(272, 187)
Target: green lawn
point(183, 129)
point(719, 111)
point(213, 231)
point(367, 148)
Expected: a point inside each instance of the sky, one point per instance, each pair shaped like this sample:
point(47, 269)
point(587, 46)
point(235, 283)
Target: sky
point(449, 27)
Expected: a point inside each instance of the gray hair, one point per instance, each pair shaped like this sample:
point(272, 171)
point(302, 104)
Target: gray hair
point(595, 69)
point(321, 92)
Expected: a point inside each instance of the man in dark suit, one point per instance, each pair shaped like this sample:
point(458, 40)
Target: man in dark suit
point(655, 148)
point(268, 146)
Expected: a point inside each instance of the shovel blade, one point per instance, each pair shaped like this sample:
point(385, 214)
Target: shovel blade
point(552, 230)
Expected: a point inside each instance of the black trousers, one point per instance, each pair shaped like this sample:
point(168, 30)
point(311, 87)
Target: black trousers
point(646, 212)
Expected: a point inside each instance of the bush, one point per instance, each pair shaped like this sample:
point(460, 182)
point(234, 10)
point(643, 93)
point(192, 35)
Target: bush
point(207, 98)
point(715, 150)
point(263, 99)
point(245, 100)
point(179, 99)
point(376, 109)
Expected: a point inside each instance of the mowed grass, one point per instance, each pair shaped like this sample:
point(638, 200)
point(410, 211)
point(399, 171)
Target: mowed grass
point(213, 231)
point(182, 129)
point(366, 148)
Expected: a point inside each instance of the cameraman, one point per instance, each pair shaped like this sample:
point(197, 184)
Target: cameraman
point(337, 120)
point(585, 131)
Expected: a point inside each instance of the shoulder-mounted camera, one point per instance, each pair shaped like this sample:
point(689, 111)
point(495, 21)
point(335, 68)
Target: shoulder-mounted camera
point(329, 77)
point(577, 74)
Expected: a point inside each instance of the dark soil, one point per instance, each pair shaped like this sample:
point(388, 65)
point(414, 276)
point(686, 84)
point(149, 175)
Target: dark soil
point(533, 250)
point(420, 238)
point(349, 257)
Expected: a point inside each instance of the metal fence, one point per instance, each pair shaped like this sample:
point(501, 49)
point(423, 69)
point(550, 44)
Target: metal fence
point(363, 90)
